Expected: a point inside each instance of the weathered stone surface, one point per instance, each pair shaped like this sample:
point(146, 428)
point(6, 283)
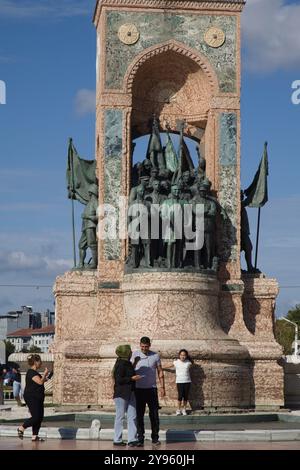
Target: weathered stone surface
point(225, 102)
point(176, 310)
point(230, 6)
point(156, 28)
point(228, 136)
point(259, 307)
point(228, 178)
point(268, 380)
point(222, 384)
point(170, 85)
point(229, 227)
point(84, 310)
point(113, 174)
point(160, 302)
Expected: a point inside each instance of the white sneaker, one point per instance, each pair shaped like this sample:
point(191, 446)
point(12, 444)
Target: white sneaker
point(184, 412)
point(178, 412)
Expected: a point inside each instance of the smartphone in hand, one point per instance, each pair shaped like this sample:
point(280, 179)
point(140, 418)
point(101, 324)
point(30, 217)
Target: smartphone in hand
point(136, 360)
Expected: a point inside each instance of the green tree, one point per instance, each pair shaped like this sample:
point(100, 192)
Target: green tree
point(34, 349)
point(285, 335)
point(285, 332)
point(294, 314)
point(9, 349)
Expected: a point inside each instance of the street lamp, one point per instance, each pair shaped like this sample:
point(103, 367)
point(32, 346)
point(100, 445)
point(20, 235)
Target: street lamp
point(296, 335)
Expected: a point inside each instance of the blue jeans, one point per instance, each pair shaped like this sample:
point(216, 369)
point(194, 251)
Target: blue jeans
point(17, 390)
point(122, 407)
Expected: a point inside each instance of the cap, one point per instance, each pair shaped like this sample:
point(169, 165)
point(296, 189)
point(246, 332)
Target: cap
point(203, 186)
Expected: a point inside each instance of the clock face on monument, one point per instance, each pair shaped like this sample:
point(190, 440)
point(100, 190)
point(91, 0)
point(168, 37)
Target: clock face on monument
point(214, 37)
point(128, 33)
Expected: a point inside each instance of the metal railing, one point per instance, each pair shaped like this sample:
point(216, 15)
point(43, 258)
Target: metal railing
point(8, 393)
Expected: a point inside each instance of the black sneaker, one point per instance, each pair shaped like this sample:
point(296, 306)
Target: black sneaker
point(140, 444)
point(120, 443)
point(133, 444)
point(156, 442)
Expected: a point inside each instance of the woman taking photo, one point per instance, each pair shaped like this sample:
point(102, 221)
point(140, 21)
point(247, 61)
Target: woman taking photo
point(34, 395)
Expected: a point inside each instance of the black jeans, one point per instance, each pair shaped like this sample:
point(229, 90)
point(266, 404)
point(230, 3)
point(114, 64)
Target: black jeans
point(147, 396)
point(36, 408)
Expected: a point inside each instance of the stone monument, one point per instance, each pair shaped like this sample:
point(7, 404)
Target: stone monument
point(178, 61)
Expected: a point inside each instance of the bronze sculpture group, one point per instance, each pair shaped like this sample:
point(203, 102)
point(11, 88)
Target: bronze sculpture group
point(163, 185)
point(167, 191)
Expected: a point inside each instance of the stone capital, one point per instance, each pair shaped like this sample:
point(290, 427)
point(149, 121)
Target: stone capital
point(232, 6)
point(225, 102)
point(115, 99)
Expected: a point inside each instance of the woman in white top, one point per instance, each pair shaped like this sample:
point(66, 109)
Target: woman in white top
point(182, 367)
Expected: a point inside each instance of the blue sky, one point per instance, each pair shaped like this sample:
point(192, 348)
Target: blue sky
point(47, 59)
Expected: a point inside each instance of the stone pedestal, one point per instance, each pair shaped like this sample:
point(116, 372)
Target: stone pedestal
point(258, 313)
point(166, 303)
point(236, 365)
point(87, 316)
point(180, 310)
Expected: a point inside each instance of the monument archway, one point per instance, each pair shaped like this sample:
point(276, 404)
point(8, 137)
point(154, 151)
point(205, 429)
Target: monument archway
point(175, 83)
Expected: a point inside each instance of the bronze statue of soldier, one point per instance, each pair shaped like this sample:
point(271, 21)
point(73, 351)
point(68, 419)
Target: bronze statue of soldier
point(185, 186)
point(140, 236)
point(155, 199)
point(89, 230)
point(171, 214)
point(143, 183)
point(206, 256)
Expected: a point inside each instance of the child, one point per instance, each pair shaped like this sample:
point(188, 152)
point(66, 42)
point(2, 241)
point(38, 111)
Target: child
point(182, 367)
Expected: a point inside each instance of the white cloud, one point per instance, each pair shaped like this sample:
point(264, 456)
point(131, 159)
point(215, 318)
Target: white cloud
point(58, 265)
point(16, 261)
point(45, 241)
point(28, 9)
point(271, 35)
point(85, 102)
point(32, 258)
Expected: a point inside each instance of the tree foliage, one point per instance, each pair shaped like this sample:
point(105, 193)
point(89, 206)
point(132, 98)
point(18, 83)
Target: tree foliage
point(9, 349)
point(285, 332)
point(294, 314)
